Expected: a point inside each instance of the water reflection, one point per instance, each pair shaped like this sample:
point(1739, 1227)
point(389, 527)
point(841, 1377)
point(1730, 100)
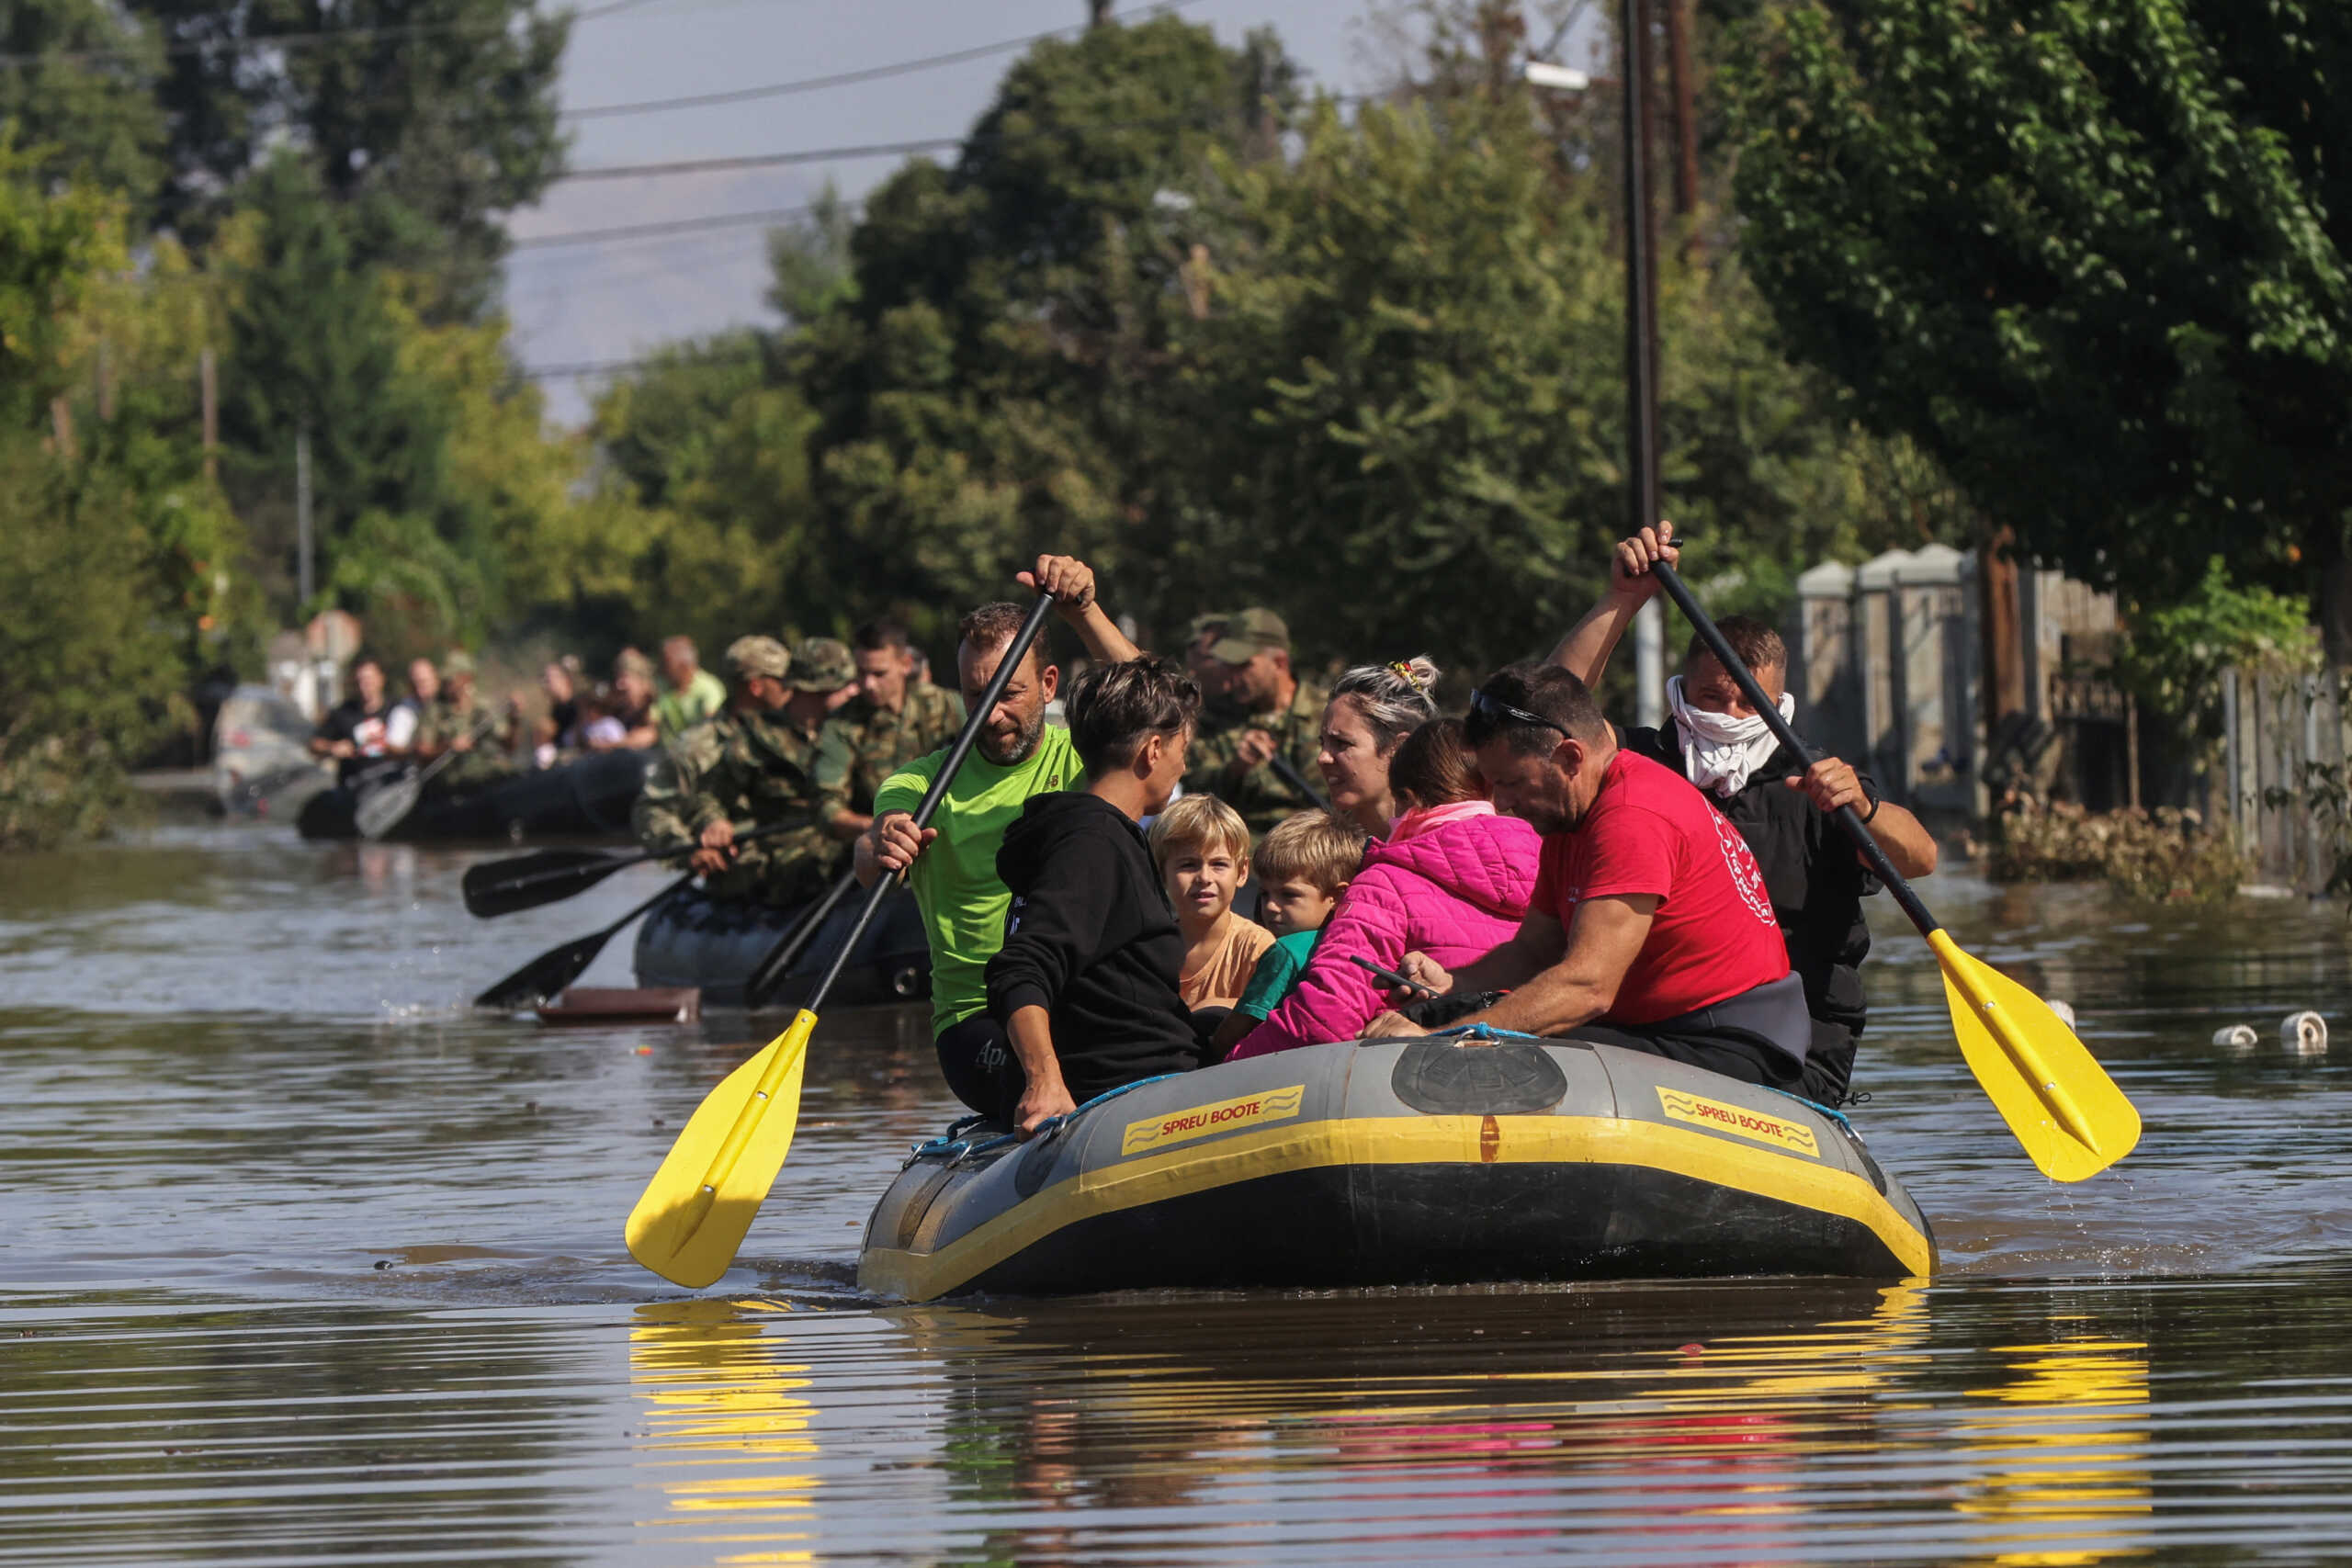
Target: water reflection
point(2067, 1447)
point(1728, 1424)
point(725, 1436)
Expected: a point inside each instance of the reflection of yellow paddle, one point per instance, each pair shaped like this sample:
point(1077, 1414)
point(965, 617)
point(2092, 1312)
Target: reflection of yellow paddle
point(696, 1210)
point(2059, 1101)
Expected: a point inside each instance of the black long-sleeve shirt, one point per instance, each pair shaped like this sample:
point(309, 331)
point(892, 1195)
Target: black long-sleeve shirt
point(1090, 938)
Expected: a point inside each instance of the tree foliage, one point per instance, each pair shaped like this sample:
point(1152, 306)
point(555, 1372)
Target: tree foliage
point(2089, 254)
point(425, 119)
point(119, 555)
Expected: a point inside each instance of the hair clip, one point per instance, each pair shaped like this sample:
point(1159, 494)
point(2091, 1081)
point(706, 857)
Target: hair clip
point(1407, 675)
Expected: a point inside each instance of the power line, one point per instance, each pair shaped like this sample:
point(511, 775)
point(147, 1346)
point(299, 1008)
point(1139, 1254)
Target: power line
point(767, 160)
point(311, 39)
point(613, 366)
point(677, 226)
point(842, 78)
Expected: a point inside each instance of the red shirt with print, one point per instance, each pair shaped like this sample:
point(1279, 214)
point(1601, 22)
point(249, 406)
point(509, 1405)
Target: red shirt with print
point(1649, 831)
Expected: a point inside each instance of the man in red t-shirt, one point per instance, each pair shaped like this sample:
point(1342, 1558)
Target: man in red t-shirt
point(1649, 927)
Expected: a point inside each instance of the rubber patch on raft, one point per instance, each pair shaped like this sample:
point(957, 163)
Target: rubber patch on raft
point(1507, 1079)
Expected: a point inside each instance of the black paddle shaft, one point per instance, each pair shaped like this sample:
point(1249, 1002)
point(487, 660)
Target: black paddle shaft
point(1290, 775)
point(571, 871)
point(778, 963)
point(1014, 652)
point(1769, 711)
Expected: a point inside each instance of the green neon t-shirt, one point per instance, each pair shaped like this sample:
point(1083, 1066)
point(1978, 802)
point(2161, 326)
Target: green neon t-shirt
point(954, 880)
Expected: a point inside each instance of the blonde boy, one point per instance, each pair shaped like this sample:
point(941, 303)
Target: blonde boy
point(1303, 865)
point(1203, 849)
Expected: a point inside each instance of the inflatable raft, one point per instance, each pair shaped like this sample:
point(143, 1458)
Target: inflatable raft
point(713, 944)
point(1447, 1160)
point(588, 798)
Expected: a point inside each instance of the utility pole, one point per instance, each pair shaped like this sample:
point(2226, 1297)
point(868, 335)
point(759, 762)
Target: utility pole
point(1641, 351)
point(1682, 80)
point(305, 576)
point(209, 386)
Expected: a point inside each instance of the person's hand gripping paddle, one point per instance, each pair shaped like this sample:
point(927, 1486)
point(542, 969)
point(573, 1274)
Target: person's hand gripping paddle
point(696, 1210)
point(2065, 1110)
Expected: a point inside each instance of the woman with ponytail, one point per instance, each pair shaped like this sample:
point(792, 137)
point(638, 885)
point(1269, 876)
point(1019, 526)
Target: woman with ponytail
point(1451, 875)
point(1372, 709)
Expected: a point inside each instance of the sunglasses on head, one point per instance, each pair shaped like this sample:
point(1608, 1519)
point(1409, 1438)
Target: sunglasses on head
point(1499, 712)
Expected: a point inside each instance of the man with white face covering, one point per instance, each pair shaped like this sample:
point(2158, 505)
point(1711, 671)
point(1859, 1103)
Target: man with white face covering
point(1782, 806)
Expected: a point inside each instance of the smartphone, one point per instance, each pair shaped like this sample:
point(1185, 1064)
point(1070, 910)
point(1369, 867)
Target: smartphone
point(1390, 975)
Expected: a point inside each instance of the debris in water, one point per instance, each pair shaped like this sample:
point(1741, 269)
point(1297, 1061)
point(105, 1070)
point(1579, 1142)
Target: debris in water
point(2065, 1011)
point(645, 1050)
point(2303, 1034)
point(2237, 1037)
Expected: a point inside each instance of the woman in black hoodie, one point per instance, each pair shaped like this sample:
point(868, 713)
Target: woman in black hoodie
point(1085, 985)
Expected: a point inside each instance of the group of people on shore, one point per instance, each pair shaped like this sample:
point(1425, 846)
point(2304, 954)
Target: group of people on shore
point(1152, 887)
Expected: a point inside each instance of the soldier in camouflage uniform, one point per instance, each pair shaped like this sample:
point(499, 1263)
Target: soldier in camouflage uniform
point(1269, 712)
point(896, 718)
point(754, 766)
point(461, 720)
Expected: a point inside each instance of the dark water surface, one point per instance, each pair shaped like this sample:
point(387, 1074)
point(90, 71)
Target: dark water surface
point(302, 1262)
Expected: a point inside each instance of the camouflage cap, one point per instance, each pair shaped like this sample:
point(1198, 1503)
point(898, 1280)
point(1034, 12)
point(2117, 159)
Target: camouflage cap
point(758, 656)
point(1209, 622)
point(1248, 634)
point(456, 663)
point(822, 664)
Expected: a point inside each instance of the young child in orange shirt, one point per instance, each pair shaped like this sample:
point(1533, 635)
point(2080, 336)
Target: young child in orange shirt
point(1203, 849)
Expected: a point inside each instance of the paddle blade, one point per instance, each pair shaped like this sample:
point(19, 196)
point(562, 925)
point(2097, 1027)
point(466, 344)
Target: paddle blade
point(526, 882)
point(2065, 1110)
point(692, 1219)
point(381, 810)
point(545, 975)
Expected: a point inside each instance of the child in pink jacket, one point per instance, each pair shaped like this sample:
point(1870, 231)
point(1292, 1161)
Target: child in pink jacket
point(1452, 880)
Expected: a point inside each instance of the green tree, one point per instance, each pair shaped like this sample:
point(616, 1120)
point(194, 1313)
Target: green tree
point(704, 525)
point(75, 82)
point(117, 552)
point(427, 119)
point(2088, 254)
point(314, 343)
point(986, 385)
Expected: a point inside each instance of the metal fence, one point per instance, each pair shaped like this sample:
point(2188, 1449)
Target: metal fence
point(2281, 788)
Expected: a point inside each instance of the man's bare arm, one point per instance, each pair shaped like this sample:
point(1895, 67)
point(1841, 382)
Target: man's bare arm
point(1832, 783)
point(1585, 651)
point(1537, 946)
point(1605, 939)
point(1071, 582)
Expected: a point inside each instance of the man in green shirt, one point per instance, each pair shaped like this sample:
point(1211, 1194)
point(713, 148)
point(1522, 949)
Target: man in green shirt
point(1267, 712)
point(694, 693)
point(896, 718)
point(1017, 755)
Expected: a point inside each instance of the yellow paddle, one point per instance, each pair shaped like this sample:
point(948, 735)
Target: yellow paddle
point(696, 1210)
point(2065, 1110)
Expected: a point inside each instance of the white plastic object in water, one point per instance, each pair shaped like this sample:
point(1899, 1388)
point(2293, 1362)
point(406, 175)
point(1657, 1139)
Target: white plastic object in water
point(2237, 1037)
point(2303, 1034)
point(2065, 1011)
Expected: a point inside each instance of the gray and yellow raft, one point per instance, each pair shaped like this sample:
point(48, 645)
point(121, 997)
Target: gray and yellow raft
point(1447, 1160)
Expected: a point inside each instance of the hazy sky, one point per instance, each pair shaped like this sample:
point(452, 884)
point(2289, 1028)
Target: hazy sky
point(590, 303)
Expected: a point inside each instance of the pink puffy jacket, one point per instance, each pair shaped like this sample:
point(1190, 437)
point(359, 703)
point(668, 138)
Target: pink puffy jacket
point(1455, 892)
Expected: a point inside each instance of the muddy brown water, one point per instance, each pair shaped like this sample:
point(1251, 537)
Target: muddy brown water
point(302, 1262)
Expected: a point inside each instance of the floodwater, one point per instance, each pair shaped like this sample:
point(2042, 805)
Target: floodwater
point(303, 1262)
